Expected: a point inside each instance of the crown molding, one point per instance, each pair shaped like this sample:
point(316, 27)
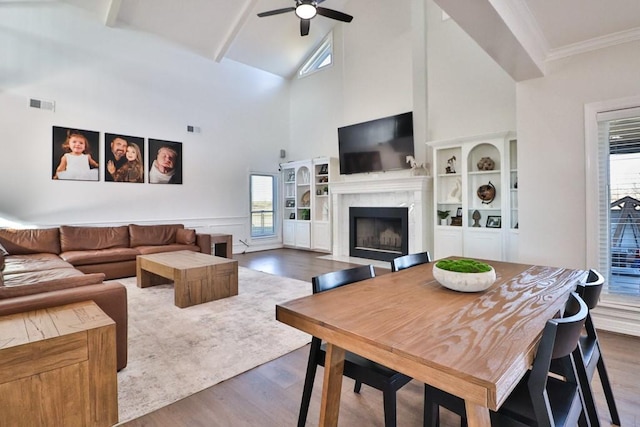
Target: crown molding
point(594, 44)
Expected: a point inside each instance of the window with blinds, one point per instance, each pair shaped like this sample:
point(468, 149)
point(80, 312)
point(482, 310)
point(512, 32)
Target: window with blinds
point(619, 202)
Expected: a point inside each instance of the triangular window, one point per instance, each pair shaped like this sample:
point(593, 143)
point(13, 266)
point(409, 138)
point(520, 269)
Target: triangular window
point(321, 58)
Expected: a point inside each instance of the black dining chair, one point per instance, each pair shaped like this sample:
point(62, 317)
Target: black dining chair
point(538, 399)
point(355, 367)
point(590, 292)
point(410, 260)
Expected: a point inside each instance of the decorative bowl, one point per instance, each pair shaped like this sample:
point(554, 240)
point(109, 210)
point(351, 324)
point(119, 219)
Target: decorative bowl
point(464, 282)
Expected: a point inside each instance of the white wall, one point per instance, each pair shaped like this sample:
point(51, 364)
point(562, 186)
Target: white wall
point(379, 70)
point(468, 92)
point(371, 78)
point(551, 149)
point(120, 81)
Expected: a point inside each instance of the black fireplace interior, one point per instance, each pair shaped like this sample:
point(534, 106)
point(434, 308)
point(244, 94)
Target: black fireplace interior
point(378, 233)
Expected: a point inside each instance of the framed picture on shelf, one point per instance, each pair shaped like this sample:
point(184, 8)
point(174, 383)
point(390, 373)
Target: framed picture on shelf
point(459, 212)
point(324, 169)
point(290, 204)
point(494, 222)
point(292, 215)
point(291, 176)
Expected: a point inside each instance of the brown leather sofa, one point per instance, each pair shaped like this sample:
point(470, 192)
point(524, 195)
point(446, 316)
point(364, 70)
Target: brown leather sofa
point(41, 268)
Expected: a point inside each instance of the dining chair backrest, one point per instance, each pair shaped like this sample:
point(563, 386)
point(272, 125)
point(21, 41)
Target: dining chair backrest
point(568, 328)
point(335, 279)
point(559, 341)
point(590, 290)
point(406, 261)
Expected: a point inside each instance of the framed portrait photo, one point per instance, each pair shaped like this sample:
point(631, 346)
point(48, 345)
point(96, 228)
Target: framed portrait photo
point(494, 222)
point(75, 154)
point(165, 162)
point(459, 212)
point(123, 158)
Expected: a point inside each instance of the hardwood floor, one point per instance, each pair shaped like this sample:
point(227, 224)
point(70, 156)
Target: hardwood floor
point(269, 395)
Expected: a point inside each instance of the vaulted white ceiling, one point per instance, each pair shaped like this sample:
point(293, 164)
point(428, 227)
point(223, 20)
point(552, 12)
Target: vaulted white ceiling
point(521, 35)
point(219, 29)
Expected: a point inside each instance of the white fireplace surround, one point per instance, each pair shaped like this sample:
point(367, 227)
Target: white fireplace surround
point(411, 192)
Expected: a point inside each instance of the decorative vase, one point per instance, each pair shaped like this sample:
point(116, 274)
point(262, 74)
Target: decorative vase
point(464, 282)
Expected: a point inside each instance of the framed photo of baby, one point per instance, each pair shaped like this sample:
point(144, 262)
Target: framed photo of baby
point(75, 154)
point(165, 162)
point(123, 158)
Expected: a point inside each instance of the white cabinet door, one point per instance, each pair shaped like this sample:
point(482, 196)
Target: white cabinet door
point(289, 233)
point(322, 236)
point(447, 242)
point(513, 247)
point(303, 234)
point(483, 244)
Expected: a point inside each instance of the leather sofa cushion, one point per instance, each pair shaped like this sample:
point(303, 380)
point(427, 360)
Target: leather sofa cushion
point(21, 284)
point(30, 241)
point(15, 264)
point(93, 238)
point(146, 250)
point(153, 235)
point(186, 236)
point(100, 256)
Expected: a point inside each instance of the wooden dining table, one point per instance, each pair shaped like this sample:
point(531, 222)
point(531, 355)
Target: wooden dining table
point(474, 345)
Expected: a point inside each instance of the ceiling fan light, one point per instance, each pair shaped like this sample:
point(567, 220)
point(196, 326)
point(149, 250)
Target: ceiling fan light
point(306, 11)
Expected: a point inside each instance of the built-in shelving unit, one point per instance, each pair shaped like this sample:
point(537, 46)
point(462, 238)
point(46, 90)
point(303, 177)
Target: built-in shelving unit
point(307, 203)
point(476, 182)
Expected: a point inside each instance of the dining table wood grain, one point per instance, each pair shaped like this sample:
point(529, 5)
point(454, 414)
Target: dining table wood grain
point(474, 345)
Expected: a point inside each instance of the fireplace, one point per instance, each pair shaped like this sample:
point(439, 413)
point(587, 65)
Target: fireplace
point(378, 233)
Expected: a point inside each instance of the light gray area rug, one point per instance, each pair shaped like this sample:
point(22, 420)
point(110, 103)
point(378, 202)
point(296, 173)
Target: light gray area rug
point(176, 352)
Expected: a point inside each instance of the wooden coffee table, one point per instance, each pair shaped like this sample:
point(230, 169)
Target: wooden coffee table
point(197, 277)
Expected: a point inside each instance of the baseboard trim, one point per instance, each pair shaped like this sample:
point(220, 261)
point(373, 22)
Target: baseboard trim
point(618, 318)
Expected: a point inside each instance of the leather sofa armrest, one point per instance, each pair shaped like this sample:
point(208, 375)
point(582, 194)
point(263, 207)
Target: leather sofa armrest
point(203, 241)
point(110, 297)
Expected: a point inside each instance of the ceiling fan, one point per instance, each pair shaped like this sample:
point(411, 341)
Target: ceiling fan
point(306, 10)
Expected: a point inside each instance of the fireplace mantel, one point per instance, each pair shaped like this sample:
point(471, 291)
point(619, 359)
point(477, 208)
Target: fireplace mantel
point(414, 183)
point(412, 192)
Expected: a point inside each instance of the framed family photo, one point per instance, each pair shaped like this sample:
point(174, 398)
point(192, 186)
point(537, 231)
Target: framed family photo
point(75, 154)
point(123, 158)
point(494, 222)
point(165, 162)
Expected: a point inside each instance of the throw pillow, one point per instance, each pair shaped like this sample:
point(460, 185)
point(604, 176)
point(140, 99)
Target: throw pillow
point(185, 236)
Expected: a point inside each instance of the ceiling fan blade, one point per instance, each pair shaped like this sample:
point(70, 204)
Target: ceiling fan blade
point(334, 14)
point(304, 27)
point(276, 11)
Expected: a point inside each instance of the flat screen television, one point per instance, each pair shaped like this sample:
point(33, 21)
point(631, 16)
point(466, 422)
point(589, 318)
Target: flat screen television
point(377, 145)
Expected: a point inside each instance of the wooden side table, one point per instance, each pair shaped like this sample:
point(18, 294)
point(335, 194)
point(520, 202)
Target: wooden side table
point(222, 245)
point(59, 367)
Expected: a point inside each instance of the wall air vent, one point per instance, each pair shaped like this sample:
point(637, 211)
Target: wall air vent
point(43, 105)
